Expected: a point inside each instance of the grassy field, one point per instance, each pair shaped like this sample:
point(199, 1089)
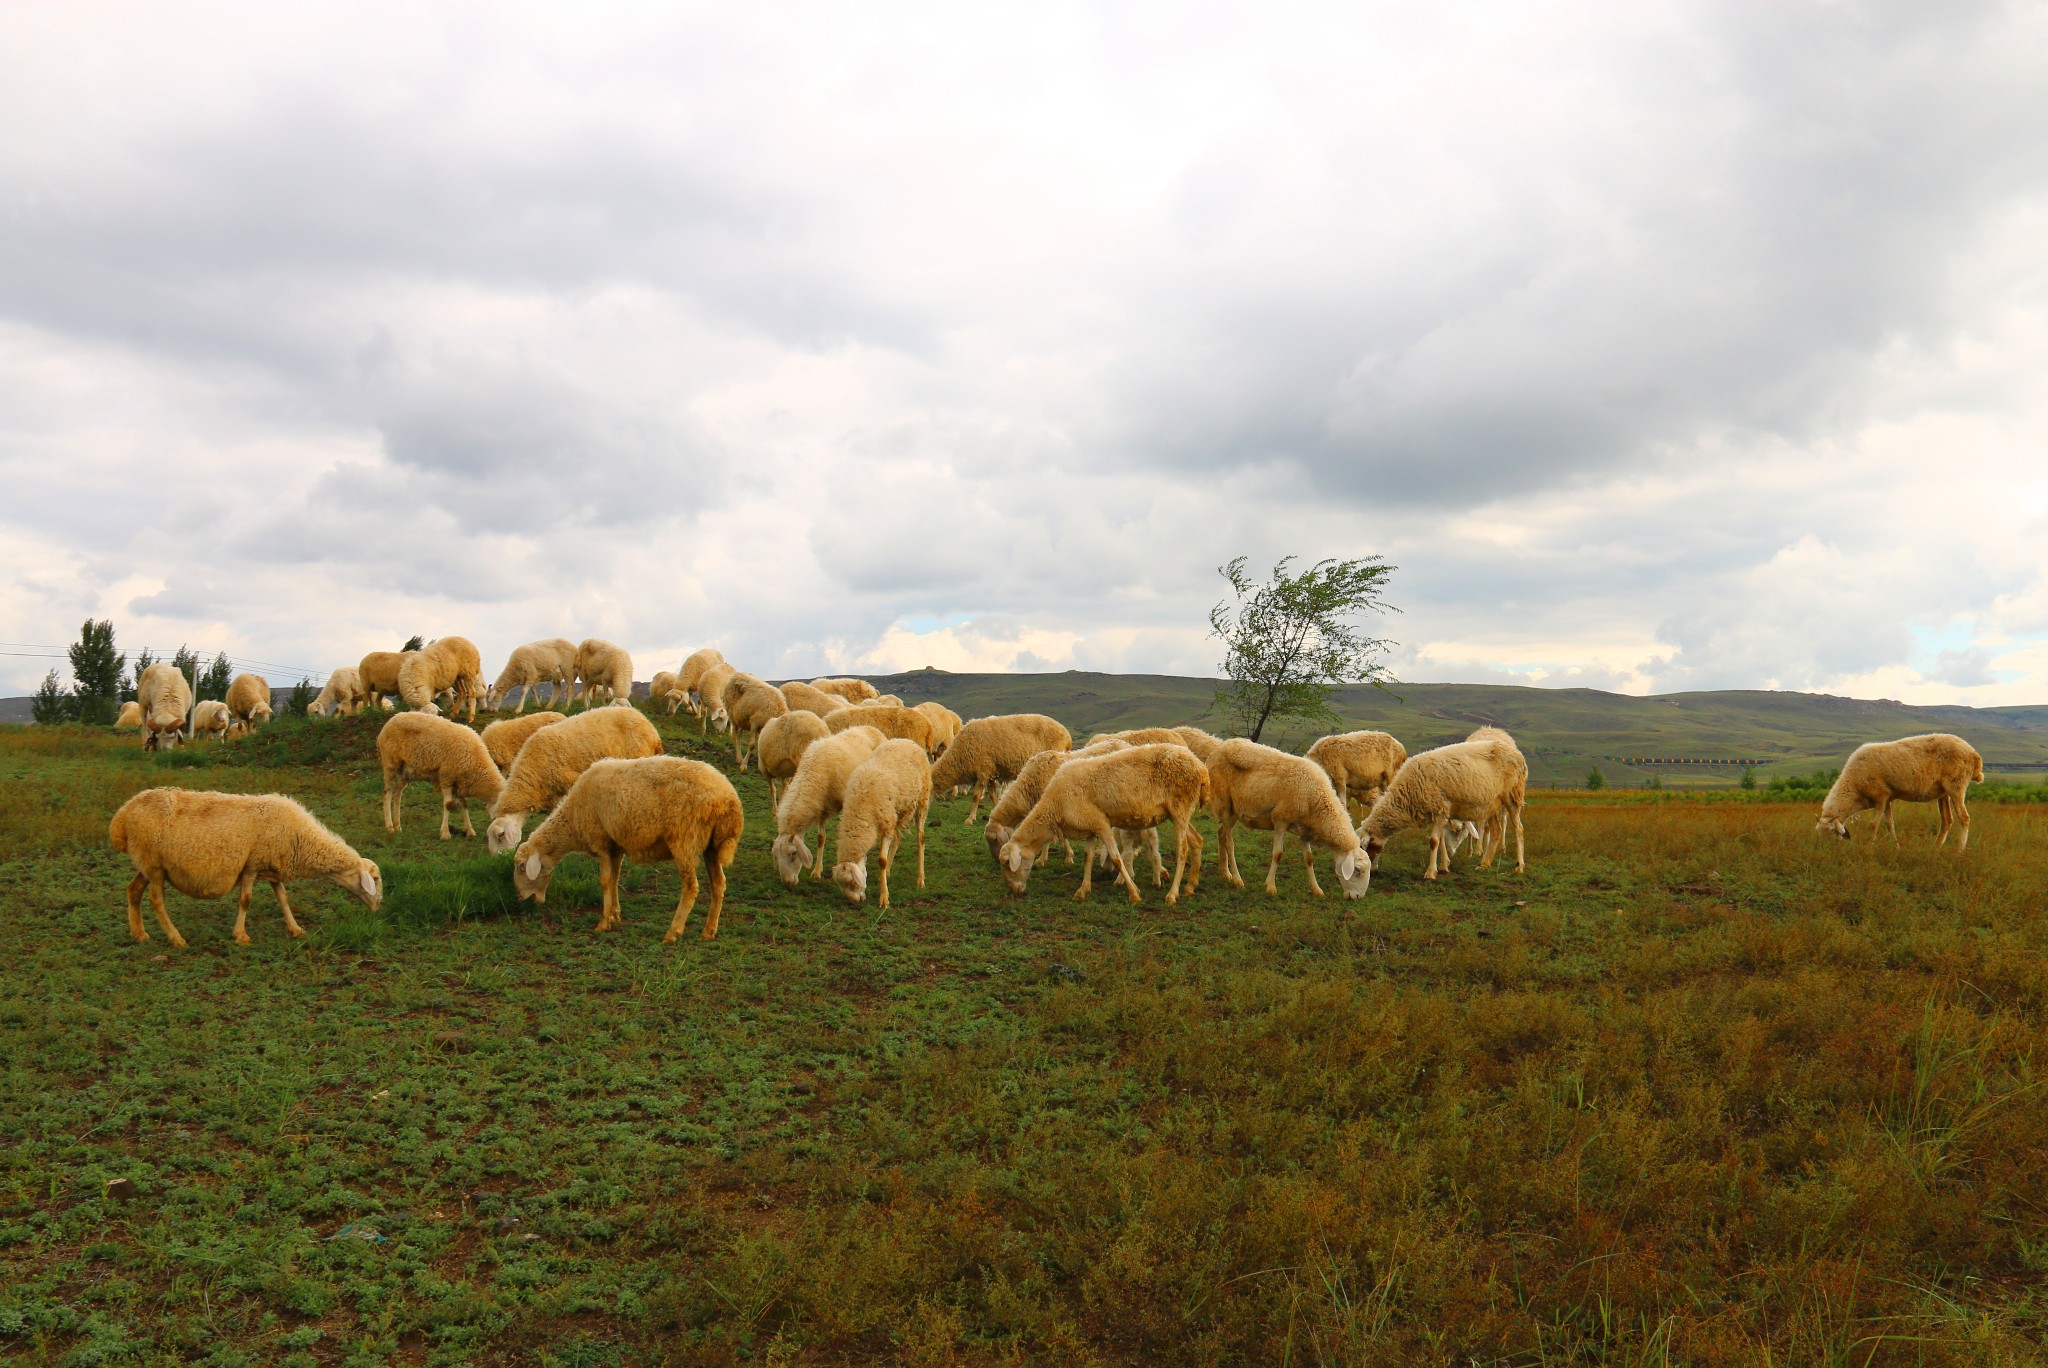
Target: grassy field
point(1698, 1088)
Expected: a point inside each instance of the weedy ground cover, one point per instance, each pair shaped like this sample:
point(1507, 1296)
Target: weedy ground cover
point(1701, 1087)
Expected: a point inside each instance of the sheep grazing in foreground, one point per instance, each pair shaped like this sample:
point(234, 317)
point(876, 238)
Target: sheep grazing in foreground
point(446, 754)
point(808, 698)
point(994, 750)
point(749, 704)
point(377, 672)
point(553, 758)
point(212, 718)
point(897, 723)
point(813, 795)
point(130, 717)
point(1023, 792)
point(1936, 768)
point(662, 692)
point(782, 744)
point(852, 690)
point(945, 722)
point(551, 661)
point(888, 791)
point(448, 665)
point(659, 808)
point(606, 671)
point(342, 693)
point(1097, 796)
point(163, 698)
point(711, 697)
point(504, 737)
point(204, 844)
point(692, 670)
point(249, 701)
point(1360, 764)
point(1270, 790)
point(1483, 782)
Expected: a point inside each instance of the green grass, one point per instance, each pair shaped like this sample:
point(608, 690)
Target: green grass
point(1699, 1088)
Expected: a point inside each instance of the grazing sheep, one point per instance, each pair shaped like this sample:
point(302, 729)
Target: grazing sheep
point(378, 671)
point(604, 669)
point(1023, 792)
point(204, 844)
point(1483, 782)
point(212, 718)
point(1360, 764)
point(749, 703)
point(693, 668)
point(993, 750)
point(163, 698)
point(813, 794)
point(800, 695)
point(551, 661)
point(130, 718)
point(1936, 768)
point(1270, 790)
point(659, 808)
point(446, 754)
point(504, 737)
point(889, 790)
point(1098, 795)
point(662, 692)
point(249, 701)
point(945, 722)
point(852, 690)
point(555, 755)
point(711, 697)
point(1494, 837)
point(342, 693)
point(450, 665)
point(1141, 736)
point(782, 744)
point(899, 723)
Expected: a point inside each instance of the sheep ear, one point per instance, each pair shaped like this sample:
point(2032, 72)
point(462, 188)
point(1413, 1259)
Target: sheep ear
point(369, 882)
point(1347, 864)
point(1013, 855)
point(533, 866)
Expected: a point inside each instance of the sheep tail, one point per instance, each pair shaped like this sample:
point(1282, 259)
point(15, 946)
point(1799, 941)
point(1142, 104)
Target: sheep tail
point(117, 832)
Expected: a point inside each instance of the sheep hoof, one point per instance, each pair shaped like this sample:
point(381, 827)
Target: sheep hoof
point(297, 932)
point(175, 939)
point(241, 937)
point(669, 939)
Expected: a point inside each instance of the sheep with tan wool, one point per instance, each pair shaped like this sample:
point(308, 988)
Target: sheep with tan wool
point(1023, 792)
point(1141, 736)
point(449, 665)
point(945, 722)
point(551, 661)
point(249, 701)
point(658, 808)
point(1490, 841)
point(606, 671)
point(749, 704)
point(1936, 768)
point(554, 756)
point(1270, 790)
point(1200, 742)
point(662, 692)
point(377, 672)
point(711, 697)
point(130, 717)
point(342, 693)
point(1483, 782)
point(813, 795)
point(887, 792)
point(852, 690)
point(1097, 796)
point(782, 744)
point(212, 718)
point(807, 698)
point(1360, 764)
point(897, 723)
point(994, 750)
point(441, 752)
point(692, 670)
point(164, 698)
point(504, 737)
point(204, 844)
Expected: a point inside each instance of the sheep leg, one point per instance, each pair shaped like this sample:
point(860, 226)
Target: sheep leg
point(818, 870)
point(1226, 852)
point(922, 810)
point(1123, 866)
point(980, 790)
point(163, 916)
point(291, 923)
point(1273, 866)
point(1185, 839)
point(242, 891)
point(739, 757)
point(391, 803)
point(1089, 854)
point(447, 797)
point(1962, 816)
point(714, 869)
point(1436, 846)
point(467, 829)
point(884, 857)
point(1158, 865)
point(135, 887)
point(608, 877)
point(689, 899)
point(1308, 866)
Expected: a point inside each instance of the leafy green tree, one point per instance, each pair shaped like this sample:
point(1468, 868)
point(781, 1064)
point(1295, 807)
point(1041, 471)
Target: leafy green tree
point(143, 660)
point(1595, 779)
point(50, 705)
point(188, 666)
point(96, 673)
point(213, 683)
point(1289, 641)
point(301, 699)
point(412, 643)
point(1748, 778)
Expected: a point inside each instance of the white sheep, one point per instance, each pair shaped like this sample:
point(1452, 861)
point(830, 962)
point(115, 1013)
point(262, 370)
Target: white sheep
point(1270, 790)
point(204, 844)
point(662, 692)
point(1483, 782)
point(809, 698)
point(130, 717)
point(711, 697)
point(888, 791)
point(504, 737)
point(212, 718)
point(342, 693)
point(444, 753)
point(450, 665)
point(1097, 796)
point(1936, 768)
point(692, 670)
point(377, 672)
point(945, 722)
point(659, 808)
point(550, 661)
point(898, 723)
point(554, 756)
point(993, 750)
point(606, 670)
point(249, 701)
point(1023, 792)
point(782, 744)
point(749, 703)
point(164, 699)
point(814, 793)
point(852, 690)
point(1360, 764)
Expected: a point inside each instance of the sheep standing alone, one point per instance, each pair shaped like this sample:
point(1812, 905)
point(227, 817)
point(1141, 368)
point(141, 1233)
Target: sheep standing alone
point(551, 661)
point(249, 701)
point(342, 693)
point(1023, 792)
point(448, 664)
point(1483, 782)
point(692, 670)
point(1098, 795)
point(711, 697)
point(1936, 768)
point(813, 795)
point(993, 750)
point(554, 756)
point(378, 671)
point(894, 722)
point(660, 808)
point(888, 791)
point(204, 844)
point(606, 670)
point(808, 698)
point(504, 737)
point(1360, 763)
point(212, 718)
point(782, 745)
point(749, 704)
point(164, 698)
point(446, 754)
point(852, 690)
point(1270, 790)
point(130, 717)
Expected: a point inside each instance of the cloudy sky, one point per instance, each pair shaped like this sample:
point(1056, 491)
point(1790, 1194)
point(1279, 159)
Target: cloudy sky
point(1660, 346)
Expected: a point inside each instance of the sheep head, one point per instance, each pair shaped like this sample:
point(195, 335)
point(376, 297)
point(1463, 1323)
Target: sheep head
point(792, 857)
point(1354, 871)
point(504, 832)
point(852, 878)
point(995, 833)
point(364, 880)
point(1017, 865)
point(1831, 826)
point(530, 873)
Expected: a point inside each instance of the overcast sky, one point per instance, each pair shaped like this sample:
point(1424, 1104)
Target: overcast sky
point(1660, 346)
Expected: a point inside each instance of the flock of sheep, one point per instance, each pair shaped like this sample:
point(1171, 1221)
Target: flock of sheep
point(837, 748)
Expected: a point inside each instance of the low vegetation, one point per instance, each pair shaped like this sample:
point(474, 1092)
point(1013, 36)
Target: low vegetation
point(1699, 1088)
